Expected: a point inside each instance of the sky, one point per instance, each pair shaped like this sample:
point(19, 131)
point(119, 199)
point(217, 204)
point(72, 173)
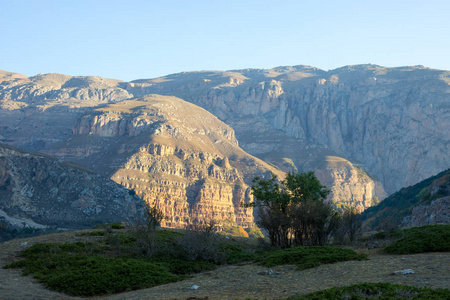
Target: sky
point(136, 39)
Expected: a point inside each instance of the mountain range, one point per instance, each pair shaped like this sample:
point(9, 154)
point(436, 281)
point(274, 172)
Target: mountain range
point(191, 142)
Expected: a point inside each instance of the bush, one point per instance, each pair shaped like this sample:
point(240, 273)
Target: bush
point(83, 269)
point(294, 207)
point(117, 226)
point(86, 275)
point(94, 233)
point(145, 232)
point(376, 291)
point(348, 228)
point(432, 238)
point(308, 257)
point(235, 254)
point(201, 241)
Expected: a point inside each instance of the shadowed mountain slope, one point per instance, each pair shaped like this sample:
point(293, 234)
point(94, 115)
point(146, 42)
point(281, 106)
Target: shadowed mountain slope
point(39, 191)
point(425, 203)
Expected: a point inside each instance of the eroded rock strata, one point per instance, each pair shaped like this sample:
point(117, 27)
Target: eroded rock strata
point(174, 154)
point(39, 191)
point(393, 121)
point(362, 129)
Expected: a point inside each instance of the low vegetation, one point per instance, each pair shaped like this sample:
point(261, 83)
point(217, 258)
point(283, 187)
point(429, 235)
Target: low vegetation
point(116, 260)
point(394, 208)
point(376, 291)
point(433, 238)
point(8, 232)
point(110, 266)
point(308, 257)
point(119, 259)
point(80, 269)
point(294, 212)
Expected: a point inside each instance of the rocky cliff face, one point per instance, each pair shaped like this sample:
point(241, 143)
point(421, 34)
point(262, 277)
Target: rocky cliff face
point(39, 191)
point(47, 87)
point(437, 212)
point(434, 208)
point(392, 120)
point(173, 153)
point(348, 183)
point(425, 203)
point(38, 111)
point(350, 186)
point(389, 122)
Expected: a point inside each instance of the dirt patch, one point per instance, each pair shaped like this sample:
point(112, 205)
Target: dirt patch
point(245, 281)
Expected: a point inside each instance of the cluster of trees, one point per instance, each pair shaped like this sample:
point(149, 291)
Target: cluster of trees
point(294, 212)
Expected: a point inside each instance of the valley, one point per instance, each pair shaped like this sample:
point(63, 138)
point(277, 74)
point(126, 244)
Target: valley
point(191, 142)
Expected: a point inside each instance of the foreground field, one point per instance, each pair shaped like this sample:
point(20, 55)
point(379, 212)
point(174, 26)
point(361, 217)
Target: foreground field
point(247, 280)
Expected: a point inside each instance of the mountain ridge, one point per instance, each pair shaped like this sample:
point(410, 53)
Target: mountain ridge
point(425, 203)
point(387, 123)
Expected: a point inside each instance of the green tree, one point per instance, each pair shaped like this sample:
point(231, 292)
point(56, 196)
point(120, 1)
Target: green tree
point(349, 228)
point(273, 202)
point(294, 208)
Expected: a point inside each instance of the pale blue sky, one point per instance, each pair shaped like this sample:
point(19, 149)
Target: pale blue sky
point(144, 39)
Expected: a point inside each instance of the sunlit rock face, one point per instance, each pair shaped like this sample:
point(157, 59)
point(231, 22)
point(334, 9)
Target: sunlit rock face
point(39, 111)
point(393, 121)
point(362, 129)
point(174, 154)
point(47, 87)
point(40, 191)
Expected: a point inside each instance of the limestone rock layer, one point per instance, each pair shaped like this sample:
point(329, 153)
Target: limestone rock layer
point(393, 121)
point(363, 129)
point(174, 154)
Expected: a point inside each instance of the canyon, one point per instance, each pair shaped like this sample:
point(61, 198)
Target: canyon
point(365, 130)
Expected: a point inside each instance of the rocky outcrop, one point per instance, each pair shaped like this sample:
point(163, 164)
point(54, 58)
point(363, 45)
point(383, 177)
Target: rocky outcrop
point(389, 123)
point(393, 121)
point(350, 186)
point(174, 154)
point(39, 111)
point(434, 207)
point(48, 87)
point(196, 187)
point(437, 212)
point(425, 203)
point(39, 191)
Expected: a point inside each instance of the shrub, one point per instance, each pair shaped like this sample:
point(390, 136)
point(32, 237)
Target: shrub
point(85, 275)
point(235, 254)
point(145, 232)
point(308, 257)
point(201, 241)
point(376, 291)
point(348, 226)
point(94, 233)
point(294, 207)
point(432, 238)
point(117, 226)
point(83, 269)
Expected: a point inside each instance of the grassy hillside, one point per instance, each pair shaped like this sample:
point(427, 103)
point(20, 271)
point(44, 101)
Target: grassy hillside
point(400, 204)
point(113, 259)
